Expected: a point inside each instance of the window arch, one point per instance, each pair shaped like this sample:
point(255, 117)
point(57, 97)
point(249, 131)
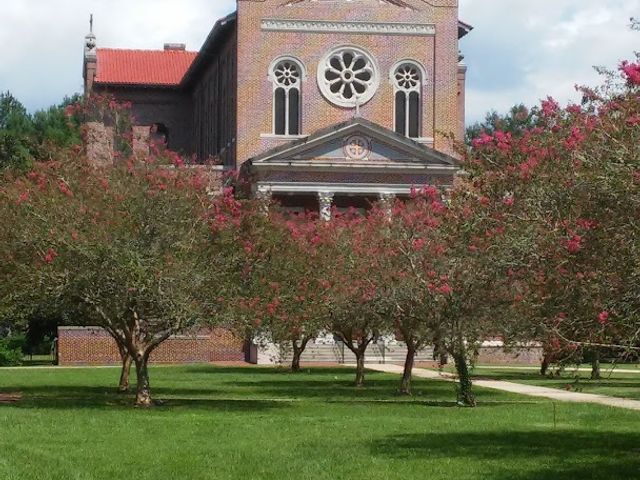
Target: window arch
point(286, 75)
point(408, 78)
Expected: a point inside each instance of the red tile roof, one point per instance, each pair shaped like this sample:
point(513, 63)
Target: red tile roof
point(143, 67)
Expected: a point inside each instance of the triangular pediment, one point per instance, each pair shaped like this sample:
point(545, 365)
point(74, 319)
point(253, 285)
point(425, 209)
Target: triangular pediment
point(356, 142)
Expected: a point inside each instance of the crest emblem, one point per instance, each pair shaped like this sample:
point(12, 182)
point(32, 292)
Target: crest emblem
point(357, 147)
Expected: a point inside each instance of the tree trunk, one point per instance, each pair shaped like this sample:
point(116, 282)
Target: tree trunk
point(595, 366)
point(359, 368)
point(298, 350)
point(123, 387)
point(465, 392)
point(546, 363)
point(405, 384)
point(297, 353)
point(143, 393)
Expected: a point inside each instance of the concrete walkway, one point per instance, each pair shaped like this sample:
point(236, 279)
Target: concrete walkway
point(530, 390)
point(605, 370)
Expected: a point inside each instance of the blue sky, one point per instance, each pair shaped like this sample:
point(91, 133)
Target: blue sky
point(520, 50)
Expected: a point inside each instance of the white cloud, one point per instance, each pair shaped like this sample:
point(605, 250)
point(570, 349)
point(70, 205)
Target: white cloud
point(520, 50)
point(41, 41)
point(541, 48)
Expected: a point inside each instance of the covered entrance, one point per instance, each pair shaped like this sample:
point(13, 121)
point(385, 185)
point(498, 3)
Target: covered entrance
point(350, 165)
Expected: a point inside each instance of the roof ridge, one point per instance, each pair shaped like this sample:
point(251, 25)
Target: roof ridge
point(142, 50)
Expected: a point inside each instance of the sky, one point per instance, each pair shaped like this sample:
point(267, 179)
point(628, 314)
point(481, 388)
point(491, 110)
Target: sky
point(519, 51)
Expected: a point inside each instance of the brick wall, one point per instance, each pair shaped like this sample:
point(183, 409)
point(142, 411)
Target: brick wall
point(171, 108)
point(257, 49)
point(94, 346)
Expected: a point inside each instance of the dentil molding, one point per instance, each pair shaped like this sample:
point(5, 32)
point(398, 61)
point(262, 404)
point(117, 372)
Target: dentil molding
point(320, 26)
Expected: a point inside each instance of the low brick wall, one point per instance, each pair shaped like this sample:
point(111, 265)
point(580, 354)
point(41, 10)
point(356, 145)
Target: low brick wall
point(94, 346)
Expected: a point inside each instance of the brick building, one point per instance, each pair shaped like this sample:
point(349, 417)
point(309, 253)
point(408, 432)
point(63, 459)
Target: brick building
point(322, 102)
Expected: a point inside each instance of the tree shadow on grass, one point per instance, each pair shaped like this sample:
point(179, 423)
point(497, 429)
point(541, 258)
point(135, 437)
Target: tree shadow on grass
point(260, 370)
point(564, 454)
point(100, 398)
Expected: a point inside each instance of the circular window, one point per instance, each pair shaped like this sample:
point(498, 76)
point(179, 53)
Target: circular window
point(286, 73)
point(408, 77)
point(348, 76)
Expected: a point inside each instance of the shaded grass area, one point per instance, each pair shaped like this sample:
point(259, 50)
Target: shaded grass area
point(229, 423)
point(613, 383)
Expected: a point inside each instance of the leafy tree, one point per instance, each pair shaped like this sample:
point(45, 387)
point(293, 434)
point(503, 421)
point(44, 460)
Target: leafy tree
point(15, 132)
point(25, 138)
point(356, 296)
point(127, 248)
point(518, 120)
point(567, 192)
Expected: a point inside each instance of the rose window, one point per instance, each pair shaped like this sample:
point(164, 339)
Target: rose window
point(408, 77)
point(287, 74)
point(348, 77)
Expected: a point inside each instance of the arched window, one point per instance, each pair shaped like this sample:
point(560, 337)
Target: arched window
point(286, 75)
point(408, 78)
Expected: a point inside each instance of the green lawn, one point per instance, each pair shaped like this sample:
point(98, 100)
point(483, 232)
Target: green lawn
point(231, 423)
point(613, 383)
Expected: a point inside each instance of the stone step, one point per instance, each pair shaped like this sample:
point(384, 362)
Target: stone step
point(327, 353)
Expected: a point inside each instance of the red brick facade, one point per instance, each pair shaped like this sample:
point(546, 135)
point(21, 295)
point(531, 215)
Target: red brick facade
point(94, 346)
point(257, 49)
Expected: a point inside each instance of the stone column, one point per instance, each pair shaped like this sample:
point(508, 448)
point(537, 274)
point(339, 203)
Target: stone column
point(326, 202)
point(99, 142)
point(141, 138)
point(387, 199)
point(264, 195)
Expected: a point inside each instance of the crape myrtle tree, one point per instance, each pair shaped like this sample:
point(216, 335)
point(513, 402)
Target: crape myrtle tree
point(278, 295)
point(400, 234)
point(568, 193)
point(444, 240)
point(356, 293)
point(297, 310)
point(126, 247)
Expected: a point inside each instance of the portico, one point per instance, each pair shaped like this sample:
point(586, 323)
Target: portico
point(350, 165)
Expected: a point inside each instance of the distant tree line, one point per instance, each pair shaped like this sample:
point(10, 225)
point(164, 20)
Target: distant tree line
point(25, 137)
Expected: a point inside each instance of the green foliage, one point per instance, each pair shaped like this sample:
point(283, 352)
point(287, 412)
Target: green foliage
point(25, 138)
point(516, 121)
point(127, 247)
point(11, 350)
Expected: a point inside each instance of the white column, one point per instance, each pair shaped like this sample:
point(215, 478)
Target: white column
point(387, 199)
point(326, 201)
point(264, 195)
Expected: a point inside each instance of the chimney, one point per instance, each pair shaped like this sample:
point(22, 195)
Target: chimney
point(175, 47)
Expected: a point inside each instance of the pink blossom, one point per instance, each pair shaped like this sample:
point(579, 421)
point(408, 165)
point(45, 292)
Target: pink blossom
point(549, 107)
point(633, 120)
point(482, 140)
point(419, 243)
point(631, 72)
point(574, 245)
point(24, 196)
point(603, 318)
point(64, 189)
point(50, 256)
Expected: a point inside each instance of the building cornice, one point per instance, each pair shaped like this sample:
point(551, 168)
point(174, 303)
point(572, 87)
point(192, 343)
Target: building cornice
point(320, 26)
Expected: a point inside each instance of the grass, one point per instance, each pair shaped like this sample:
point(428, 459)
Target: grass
point(613, 383)
point(232, 423)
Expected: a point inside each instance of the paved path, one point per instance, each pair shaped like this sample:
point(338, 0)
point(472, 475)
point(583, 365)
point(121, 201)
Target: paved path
point(605, 369)
point(530, 390)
